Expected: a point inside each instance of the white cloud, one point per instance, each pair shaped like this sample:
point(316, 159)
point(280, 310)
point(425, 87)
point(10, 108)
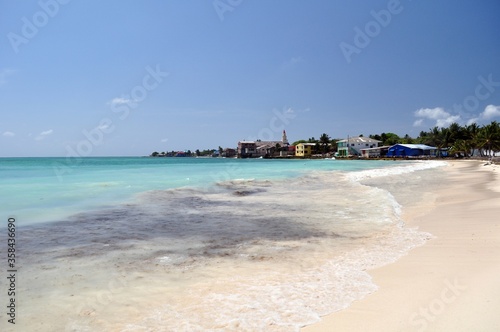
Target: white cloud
point(8, 134)
point(447, 121)
point(431, 113)
point(441, 117)
point(418, 123)
point(472, 120)
point(490, 112)
point(121, 101)
point(164, 140)
point(47, 132)
point(44, 134)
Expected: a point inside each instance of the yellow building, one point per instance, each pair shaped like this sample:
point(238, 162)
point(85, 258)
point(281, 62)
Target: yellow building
point(304, 149)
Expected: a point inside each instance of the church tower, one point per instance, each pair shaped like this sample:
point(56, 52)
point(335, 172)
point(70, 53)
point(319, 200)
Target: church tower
point(284, 140)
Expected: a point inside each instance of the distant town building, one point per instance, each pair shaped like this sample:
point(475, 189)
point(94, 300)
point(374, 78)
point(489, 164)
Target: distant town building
point(352, 146)
point(377, 152)
point(267, 148)
point(284, 140)
point(229, 153)
point(304, 149)
point(259, 148)
point(247, 149)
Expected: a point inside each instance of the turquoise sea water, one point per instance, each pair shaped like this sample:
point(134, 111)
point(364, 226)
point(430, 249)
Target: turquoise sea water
point(195, 244)
point(50, 189)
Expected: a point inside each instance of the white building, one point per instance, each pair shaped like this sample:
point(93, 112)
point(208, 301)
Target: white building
point(352, 146)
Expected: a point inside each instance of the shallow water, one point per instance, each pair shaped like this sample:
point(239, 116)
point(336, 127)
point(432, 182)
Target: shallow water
point(244, 249)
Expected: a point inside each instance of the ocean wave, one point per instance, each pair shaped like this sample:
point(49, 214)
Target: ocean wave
point(413, 166)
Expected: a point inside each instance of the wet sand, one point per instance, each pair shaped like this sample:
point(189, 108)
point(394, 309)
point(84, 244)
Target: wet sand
point(452, 282)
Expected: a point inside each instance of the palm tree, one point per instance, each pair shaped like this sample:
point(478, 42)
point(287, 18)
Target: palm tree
point(447, 138)
point(460, 147)
point(471, 133)
point(489, 137)
point(407, 139)
point(316, 148)
point(324, 139)
point(333, 145)
point(434, 138)
point(456, 132)
point(440, 138)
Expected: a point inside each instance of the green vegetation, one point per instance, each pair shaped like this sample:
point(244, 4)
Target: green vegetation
point(324, 140)
point(461, 140)
point(390, 139)
point(205, 153)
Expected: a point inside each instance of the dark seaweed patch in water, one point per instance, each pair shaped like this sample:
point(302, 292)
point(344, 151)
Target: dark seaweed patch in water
point(165, 221)
point(247, 192)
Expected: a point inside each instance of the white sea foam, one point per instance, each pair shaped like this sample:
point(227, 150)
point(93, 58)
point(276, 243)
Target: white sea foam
point(274, 301)
point(413, 166)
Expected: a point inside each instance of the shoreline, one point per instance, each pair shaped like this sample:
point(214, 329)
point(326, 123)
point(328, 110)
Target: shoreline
point(449, 283)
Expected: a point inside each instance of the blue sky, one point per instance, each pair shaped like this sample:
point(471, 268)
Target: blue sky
point(99, 78)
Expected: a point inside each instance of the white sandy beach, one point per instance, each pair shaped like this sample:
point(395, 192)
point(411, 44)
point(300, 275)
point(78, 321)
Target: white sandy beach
point(452, 282)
